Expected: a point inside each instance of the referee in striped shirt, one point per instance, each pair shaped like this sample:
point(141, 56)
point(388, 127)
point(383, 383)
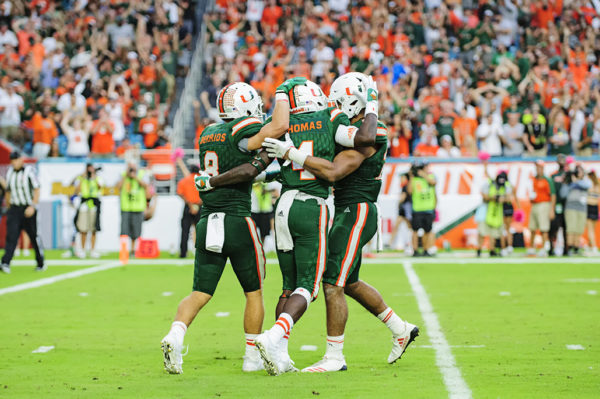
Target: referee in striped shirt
point(22, 196)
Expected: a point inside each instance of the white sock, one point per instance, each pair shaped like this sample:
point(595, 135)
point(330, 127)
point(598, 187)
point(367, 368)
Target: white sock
point(282, 326)
point(250, 346)
point(335, 346)
point(283, 344)
point(178, 330)
point(547, 246)
point(392, 321)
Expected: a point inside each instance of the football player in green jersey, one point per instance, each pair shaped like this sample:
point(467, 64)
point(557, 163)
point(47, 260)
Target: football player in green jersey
point(356, 173)
point(301, 214)
point(225, 230)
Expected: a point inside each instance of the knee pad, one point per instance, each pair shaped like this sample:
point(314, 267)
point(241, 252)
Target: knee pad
point(304, 293)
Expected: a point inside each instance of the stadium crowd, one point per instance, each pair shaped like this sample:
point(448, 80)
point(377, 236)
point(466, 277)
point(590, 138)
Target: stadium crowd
point(510, 78)
point(90, 77)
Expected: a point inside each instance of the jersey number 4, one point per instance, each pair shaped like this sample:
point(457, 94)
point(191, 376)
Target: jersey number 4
point(307, 148)
point(211, 163)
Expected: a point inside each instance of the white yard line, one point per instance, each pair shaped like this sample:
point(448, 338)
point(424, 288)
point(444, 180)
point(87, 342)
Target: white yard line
point(455, 384)
point(54, 279)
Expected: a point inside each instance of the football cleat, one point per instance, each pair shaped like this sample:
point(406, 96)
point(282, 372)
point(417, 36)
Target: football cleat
point(252, 362)
point(5, 268)
point(401, 342)
point(268, 352)
point(173, 358)
point(285, 364)
point(327, 364)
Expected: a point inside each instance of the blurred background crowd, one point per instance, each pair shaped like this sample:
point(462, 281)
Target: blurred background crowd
point(510, 77)
point(83, 78)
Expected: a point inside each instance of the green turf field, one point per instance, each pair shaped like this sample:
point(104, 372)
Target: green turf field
point(507, 327)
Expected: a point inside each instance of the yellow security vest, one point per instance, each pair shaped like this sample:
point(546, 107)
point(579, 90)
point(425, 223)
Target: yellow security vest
point(495, 214)
point(133, 195)
point(423, 195)
point(89, 189)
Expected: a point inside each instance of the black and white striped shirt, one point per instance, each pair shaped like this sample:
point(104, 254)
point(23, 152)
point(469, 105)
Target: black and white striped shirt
point(20, 184)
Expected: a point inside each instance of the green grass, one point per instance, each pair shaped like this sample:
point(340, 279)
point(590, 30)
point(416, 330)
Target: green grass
point(107, 343)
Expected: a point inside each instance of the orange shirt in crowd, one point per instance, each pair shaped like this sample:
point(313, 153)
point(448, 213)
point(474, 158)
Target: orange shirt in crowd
point(149, 128)
point(543, 189)
point(426, 150)
point(44, 129)
point(465, 127)
point(38, 52)
point(102, 141)
point(399, 146)
point(186, 189)
point(271, 15)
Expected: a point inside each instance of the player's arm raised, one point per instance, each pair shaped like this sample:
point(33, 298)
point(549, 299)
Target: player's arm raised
point(280, 122)
point(366, 134)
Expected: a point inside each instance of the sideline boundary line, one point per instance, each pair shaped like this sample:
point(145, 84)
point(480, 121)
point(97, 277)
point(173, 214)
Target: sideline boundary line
point(455, 384)
point(273, 261)
point(54, 279)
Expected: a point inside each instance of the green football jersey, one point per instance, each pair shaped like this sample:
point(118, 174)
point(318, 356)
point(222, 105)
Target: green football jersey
point(312, 133)
point(365, 182)
point(219, 152)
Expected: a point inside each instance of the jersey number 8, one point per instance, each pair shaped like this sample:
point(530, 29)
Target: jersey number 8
point(211, 163)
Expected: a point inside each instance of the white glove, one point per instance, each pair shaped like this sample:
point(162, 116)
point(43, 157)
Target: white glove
point(202, 182)
point(372, 97)
point(277, 148)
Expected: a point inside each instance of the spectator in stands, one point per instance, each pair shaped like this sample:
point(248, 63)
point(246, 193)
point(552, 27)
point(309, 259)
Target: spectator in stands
point(575, 189)
point(44, 131)
point(447, 150)
point(102, 129)
point(558, 136)
point(149, 127)
point(77, 135)
point(543, 202)
point(400, 137)
point(488, 134)
point(512, 135)
point(593, 200)
point(132, 187)
point(536, 134)
point(11, 107)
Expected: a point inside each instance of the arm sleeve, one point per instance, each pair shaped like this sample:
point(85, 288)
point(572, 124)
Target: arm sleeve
point(551, 184)
point(244, 129)
point(382, 132)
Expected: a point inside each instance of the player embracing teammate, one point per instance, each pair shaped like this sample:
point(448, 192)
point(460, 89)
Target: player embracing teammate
point(310, 163)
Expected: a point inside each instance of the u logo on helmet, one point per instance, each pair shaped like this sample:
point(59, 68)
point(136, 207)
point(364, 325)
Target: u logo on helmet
point(244, 100)
point(348, 91)
point(313, 93)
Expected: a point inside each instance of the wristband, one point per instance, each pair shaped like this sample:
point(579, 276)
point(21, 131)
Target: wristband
point(297, 156)
point(258, 163)
point(372, 108)
point(280, 96)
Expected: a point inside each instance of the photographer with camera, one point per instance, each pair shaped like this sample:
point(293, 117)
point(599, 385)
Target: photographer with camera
point(133, 202)
point(575, 190)
point(496, 193)
point(87, 218)
point(422, 191)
